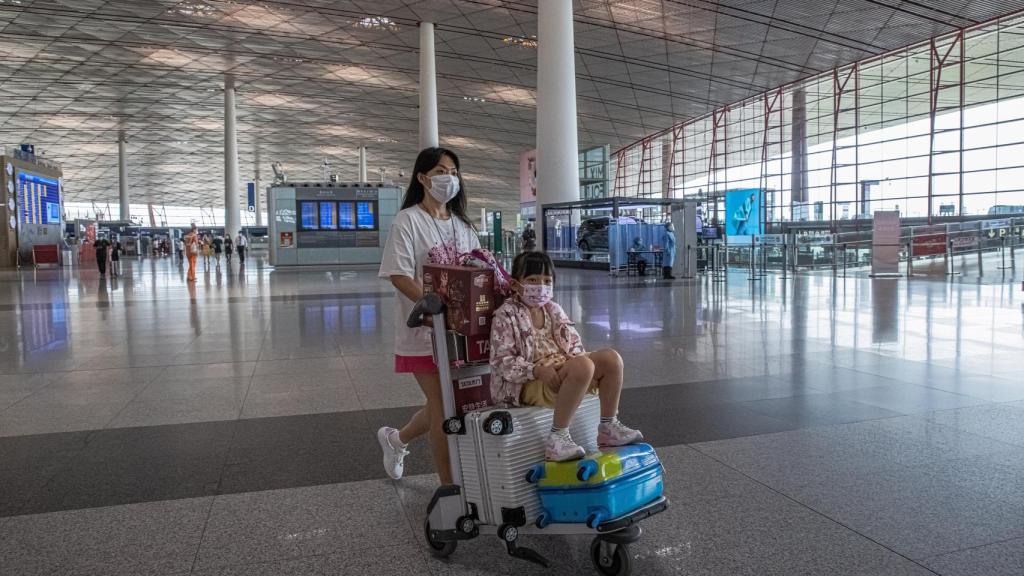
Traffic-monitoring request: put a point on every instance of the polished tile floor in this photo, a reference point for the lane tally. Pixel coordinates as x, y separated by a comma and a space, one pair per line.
814, 425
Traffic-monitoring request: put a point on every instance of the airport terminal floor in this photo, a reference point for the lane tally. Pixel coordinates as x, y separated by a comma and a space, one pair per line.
814, 425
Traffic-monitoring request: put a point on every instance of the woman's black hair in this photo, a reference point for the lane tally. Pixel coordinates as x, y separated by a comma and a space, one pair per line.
530, 263
427, 159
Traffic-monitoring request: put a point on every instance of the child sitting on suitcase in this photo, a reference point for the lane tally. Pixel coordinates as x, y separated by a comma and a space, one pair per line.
537, 359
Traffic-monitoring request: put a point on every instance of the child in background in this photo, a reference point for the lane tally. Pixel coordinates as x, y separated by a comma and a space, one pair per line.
537, 359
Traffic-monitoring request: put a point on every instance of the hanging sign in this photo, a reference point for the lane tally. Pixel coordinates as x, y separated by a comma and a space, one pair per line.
250, 188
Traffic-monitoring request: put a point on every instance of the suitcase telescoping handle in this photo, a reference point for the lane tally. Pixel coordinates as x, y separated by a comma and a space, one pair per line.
430, 304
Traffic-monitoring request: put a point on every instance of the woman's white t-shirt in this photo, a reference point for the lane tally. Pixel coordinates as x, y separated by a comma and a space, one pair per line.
413, 233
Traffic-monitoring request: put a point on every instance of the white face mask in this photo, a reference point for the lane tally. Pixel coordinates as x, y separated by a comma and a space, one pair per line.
444, 187
537, 295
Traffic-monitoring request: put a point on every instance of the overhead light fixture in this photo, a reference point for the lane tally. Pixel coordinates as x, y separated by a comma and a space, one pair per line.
473, 99
288, 59
520, 41
377, 23
192, 8
386, 139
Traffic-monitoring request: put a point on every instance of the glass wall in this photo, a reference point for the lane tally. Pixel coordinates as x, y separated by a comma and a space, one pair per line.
936, 129
163, 215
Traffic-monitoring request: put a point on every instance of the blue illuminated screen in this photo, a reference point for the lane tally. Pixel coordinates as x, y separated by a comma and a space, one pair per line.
38, 199
346, 216
366, 215
307, 215
328, 219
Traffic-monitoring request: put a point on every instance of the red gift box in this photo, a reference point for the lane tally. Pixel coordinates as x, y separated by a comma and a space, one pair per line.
468, 294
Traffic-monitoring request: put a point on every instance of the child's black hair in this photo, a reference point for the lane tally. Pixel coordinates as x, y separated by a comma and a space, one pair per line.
530, 263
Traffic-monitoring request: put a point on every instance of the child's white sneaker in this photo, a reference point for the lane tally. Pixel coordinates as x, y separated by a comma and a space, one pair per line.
393, 456
616, 433
561, 448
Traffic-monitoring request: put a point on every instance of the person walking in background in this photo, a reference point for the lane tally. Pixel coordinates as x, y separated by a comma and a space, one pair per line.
179, 245
529, 238
207, 250
115, 257
242, 243
101, 245
192, 248
229, 246
218, 248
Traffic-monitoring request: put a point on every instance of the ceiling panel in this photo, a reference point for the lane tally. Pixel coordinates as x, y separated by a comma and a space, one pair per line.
318, 78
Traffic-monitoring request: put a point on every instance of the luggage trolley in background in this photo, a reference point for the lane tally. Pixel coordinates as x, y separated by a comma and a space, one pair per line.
497, 463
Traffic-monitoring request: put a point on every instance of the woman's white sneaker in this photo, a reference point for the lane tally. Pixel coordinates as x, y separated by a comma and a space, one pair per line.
393, 455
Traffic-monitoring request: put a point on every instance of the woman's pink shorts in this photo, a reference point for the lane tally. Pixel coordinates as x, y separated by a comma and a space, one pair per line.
415, 364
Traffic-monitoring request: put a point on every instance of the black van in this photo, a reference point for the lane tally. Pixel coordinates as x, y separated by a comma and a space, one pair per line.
592, 235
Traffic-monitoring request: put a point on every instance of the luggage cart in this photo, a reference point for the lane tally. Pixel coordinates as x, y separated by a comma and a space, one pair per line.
450, 518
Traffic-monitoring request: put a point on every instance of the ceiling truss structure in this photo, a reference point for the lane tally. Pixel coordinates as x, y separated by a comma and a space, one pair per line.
318, 78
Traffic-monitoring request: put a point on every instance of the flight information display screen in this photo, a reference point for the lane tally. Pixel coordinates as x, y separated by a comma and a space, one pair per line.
366, 215
308, 216
328, 216
38, 199
346, 216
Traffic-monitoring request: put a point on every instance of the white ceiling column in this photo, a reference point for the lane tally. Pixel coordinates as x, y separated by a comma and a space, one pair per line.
428, 87
232, 218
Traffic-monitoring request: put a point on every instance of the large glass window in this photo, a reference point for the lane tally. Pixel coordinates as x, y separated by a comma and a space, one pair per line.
938, 124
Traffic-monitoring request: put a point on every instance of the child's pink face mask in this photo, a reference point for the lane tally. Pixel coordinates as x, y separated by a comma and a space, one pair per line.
536, 295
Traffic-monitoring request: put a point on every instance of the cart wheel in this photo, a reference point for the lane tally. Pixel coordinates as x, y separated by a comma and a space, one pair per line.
437, 548
609, 558
508, 533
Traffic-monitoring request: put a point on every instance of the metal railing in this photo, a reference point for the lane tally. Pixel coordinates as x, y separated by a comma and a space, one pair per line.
850, 251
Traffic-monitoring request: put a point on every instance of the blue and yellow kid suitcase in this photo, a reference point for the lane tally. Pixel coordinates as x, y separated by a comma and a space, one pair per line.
601, 487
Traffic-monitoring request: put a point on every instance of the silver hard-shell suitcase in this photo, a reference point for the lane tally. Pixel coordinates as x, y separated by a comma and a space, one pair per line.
494, 467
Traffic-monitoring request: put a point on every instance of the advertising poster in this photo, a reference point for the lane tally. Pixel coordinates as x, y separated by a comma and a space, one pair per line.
743, 212
287, 240
528, 176
929, 241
